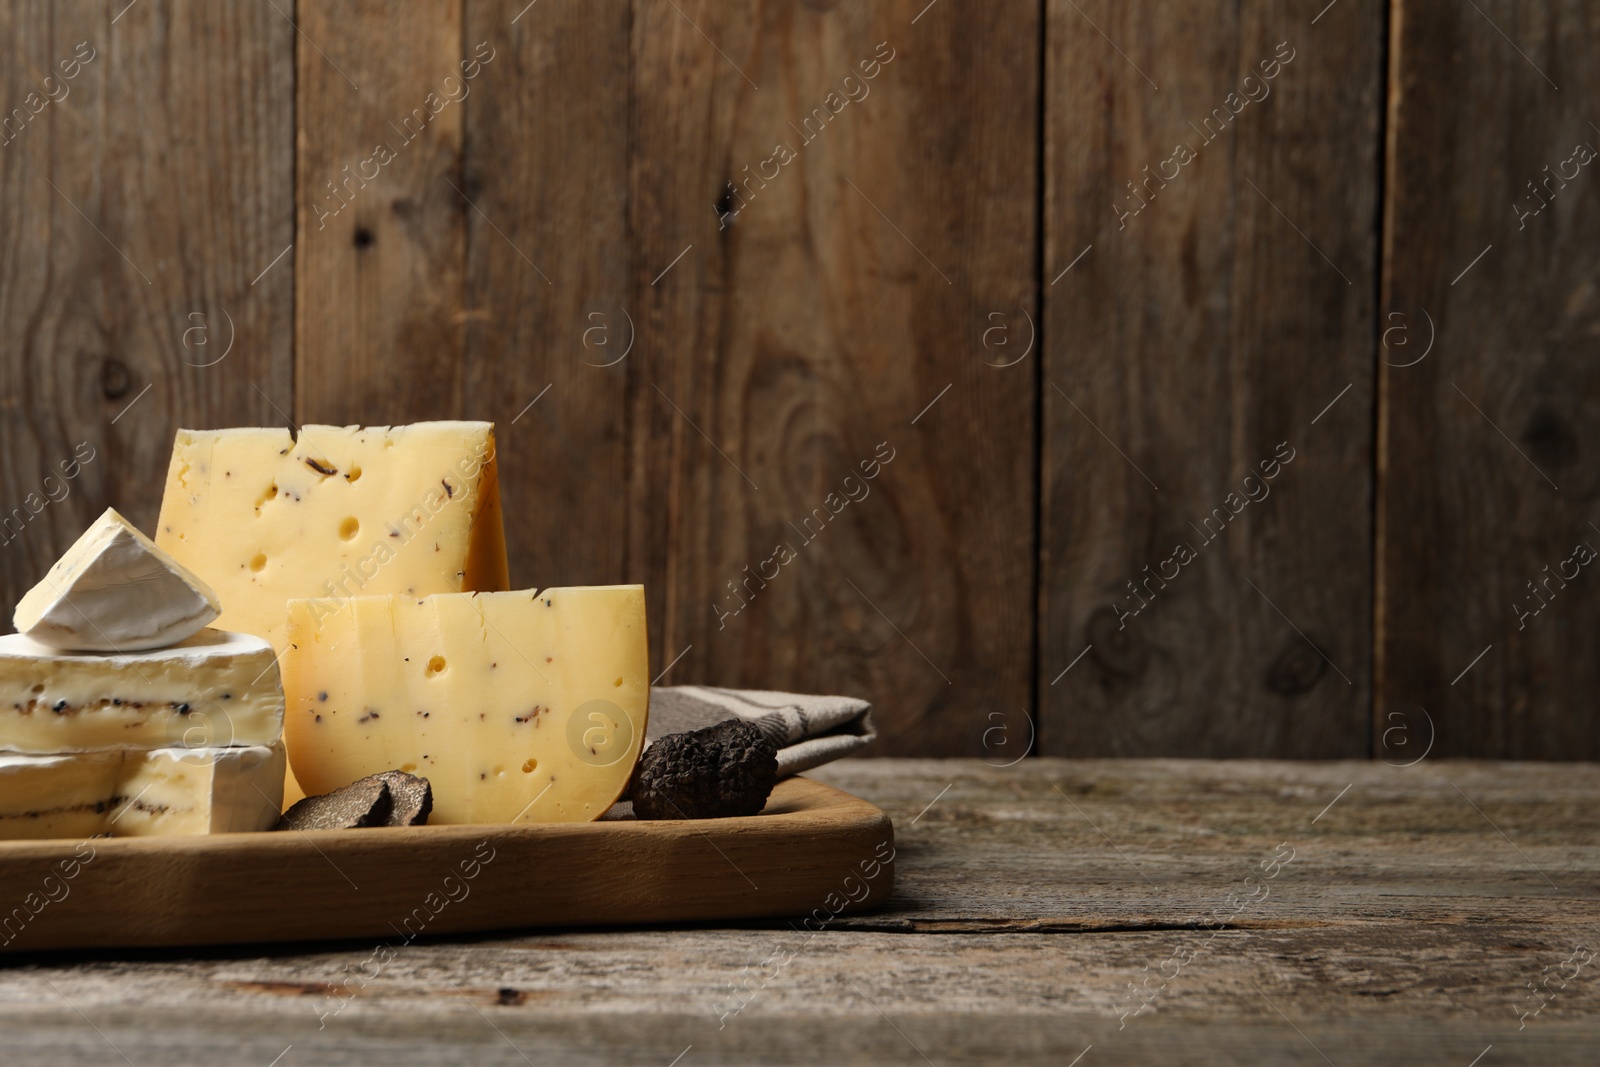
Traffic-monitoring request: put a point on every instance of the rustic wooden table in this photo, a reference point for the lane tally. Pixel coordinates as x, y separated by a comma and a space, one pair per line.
1054, 911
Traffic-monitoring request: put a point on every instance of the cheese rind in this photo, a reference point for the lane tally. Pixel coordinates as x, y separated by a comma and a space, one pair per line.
213, 689
173, 791
115, 591
518, 706
334, 512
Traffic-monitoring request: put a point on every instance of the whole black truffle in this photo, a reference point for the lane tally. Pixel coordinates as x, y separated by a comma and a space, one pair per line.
722, 770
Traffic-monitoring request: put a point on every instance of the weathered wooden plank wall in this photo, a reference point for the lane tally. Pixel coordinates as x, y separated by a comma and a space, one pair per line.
146, 188
809, 524
1487, 478
1207, 535
463, 177
548, 259
380, 243
701, 262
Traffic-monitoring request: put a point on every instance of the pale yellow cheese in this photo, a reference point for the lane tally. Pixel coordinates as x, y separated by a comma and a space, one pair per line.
215, 688
522, 706
333, 513
172, 791
336, 512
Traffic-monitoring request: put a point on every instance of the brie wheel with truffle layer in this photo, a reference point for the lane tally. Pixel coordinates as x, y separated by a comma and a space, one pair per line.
525, 706
213, 689
115, 591
161, 792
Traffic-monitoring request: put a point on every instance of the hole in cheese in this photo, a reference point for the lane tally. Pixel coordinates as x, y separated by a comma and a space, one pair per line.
270, 493
436, 665
349, 528
530, 766
353, 473
258, 562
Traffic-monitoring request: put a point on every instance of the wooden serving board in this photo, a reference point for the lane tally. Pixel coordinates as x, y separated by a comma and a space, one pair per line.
813, 850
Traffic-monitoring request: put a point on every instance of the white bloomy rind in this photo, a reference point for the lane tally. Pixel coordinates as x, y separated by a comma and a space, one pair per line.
115, 591
215, 688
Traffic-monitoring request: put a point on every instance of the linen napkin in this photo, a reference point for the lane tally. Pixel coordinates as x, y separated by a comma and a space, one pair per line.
809, 730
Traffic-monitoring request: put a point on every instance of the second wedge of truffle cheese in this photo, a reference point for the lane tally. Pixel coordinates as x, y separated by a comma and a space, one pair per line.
518, 706
215, 688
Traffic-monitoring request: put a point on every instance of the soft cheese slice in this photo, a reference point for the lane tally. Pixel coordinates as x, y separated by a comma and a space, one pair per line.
518, 707
115, 591
333, 512
57, 796
215, 688
201, 791
138, 794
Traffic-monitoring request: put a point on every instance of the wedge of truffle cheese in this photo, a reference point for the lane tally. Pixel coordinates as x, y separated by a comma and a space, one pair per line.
173, 791
138, 794
57, 796
333, 512
115, 591
215, 688
517, 707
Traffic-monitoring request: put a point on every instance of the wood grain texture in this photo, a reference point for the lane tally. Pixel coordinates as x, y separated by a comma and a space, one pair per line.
1156, 844
546, 168
141, 199
1427, 963
893, 263
381, 234
843, 242
459, 281
1222, 302
1487, 478
644, 998
813, 850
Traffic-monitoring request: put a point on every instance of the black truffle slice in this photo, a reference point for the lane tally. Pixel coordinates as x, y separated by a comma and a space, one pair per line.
364, 803
412, 797
723, 770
